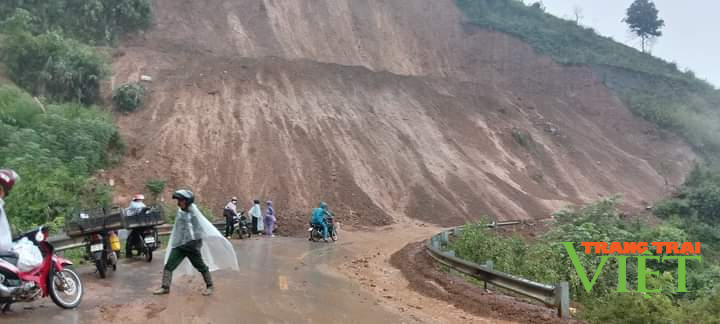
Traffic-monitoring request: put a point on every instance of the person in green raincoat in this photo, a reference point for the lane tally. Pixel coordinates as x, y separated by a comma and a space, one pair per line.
196, 240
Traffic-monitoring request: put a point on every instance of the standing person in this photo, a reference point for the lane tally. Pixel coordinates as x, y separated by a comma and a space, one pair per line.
7, 181
256, 214
230, 212
195, 239
270, 219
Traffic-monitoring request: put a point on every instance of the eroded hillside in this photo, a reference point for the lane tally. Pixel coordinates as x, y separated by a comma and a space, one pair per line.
382, 108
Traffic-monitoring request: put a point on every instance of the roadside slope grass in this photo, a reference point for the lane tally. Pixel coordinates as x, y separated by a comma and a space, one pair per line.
651, 87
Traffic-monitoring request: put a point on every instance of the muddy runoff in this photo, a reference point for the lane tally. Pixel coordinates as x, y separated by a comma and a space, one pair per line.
281, 280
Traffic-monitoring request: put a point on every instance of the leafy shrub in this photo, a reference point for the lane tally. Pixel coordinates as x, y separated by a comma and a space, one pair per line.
547, 261
129, 97
672, 207
706, 201
156, 187
54, 153
624, 308
523, 138
92, 21
50, 64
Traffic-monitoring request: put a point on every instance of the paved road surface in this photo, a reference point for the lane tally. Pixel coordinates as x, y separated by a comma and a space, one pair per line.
281, 280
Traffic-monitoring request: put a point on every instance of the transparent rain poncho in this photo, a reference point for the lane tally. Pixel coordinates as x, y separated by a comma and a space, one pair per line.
217, 251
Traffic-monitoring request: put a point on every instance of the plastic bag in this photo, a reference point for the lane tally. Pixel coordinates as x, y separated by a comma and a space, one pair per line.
29, 255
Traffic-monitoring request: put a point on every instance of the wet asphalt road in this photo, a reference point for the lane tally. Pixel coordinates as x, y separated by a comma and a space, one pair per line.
281, 280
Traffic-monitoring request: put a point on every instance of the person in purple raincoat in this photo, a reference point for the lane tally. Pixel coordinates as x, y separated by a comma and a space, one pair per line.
270, 219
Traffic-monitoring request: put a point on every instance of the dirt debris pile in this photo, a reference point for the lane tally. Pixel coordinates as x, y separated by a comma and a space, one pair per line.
381, 108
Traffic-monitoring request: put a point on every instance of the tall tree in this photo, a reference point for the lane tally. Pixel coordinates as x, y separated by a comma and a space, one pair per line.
642, 18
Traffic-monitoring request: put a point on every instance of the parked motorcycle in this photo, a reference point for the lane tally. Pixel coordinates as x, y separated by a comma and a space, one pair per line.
97, 228
316, 231
143, 238
100, 251
241, 227
54, 277
142, 242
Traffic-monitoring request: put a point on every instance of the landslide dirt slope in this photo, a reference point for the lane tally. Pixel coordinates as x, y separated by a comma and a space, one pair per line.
381, 108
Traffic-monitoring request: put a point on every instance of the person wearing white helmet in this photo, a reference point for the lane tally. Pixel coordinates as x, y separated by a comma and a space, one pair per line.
137, 202
8, 178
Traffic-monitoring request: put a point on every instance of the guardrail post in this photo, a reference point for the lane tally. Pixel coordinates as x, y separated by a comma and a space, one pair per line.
457, 231
488, 265
562, 295
435, 241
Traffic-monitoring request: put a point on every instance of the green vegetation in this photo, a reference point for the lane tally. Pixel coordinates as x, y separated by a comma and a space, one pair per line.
649, 86
54, 151
129, 97
156, 187
692, 216
90, 21
56, 140
642, 19
523, 138
51, 65
47, 45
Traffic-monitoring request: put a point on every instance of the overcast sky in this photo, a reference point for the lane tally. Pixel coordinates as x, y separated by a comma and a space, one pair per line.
691, 37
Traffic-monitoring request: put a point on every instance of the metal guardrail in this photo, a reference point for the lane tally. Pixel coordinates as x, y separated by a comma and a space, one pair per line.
553, 295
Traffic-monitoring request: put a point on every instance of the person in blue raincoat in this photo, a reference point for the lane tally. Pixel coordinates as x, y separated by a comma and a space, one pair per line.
318, 218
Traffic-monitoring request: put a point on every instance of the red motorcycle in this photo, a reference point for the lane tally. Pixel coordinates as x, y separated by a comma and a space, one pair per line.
52, 277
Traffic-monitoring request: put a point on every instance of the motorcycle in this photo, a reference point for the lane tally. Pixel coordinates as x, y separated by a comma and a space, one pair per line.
241, 227
316, 231
143, 237
54, 277
143, 240
99, 250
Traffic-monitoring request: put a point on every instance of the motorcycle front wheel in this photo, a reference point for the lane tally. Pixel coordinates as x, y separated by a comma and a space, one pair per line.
333, 234
101, 265
66, 289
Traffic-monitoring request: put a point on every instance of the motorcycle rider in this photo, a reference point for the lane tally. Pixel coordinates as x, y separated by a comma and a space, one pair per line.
136, 206
137, 202
195, 238
318, 218
230, 212
8, 178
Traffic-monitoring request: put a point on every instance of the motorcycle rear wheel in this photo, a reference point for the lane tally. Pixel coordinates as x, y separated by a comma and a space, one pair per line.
148, 254
62, 283
315, 235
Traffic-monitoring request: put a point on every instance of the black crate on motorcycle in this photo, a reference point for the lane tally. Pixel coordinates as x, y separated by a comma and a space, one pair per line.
82, 222
146, 217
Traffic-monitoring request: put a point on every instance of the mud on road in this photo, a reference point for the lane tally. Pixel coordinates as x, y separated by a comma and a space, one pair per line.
281, 280
425, 277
